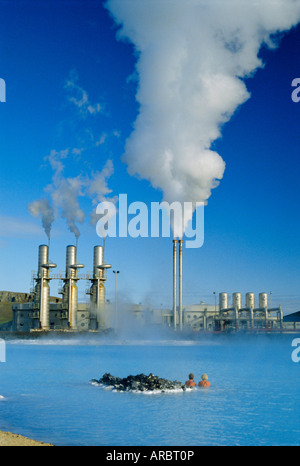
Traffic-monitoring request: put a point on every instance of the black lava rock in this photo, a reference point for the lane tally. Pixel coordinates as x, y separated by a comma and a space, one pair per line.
140, 383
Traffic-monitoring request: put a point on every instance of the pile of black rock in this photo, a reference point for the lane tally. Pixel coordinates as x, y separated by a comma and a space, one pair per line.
139, 382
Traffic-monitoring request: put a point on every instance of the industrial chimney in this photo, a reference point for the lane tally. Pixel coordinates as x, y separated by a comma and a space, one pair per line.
175, 282
180, 284
42, 289
97, 290
70, 291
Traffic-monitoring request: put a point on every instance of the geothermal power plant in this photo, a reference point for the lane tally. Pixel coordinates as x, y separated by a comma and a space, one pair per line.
45, 312
65, 313
223, 316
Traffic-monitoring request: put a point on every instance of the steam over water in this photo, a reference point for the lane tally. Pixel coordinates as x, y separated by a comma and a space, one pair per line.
254, 397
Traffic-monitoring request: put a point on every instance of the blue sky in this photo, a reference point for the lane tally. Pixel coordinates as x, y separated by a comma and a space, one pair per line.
252, 217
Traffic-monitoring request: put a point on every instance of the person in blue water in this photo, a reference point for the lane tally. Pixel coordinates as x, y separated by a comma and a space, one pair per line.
204, 383
191, 382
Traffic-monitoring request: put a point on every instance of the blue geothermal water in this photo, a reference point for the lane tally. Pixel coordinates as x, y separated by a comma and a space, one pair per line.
254, 398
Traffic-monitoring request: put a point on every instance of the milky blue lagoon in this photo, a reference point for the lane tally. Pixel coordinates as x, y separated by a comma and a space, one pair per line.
254, 398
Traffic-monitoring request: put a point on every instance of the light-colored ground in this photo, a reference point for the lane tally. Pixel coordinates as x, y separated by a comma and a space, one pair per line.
13, 440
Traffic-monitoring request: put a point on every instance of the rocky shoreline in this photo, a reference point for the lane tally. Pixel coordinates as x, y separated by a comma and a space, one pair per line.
139, 383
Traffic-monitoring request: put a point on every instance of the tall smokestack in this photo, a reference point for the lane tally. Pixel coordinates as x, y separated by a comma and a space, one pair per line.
42, 287
174, 282
180, 284
97, 290
70, 288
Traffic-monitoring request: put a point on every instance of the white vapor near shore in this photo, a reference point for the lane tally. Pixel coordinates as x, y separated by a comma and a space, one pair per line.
192, 56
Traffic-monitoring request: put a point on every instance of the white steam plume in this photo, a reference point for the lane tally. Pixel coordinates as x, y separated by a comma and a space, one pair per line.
98, 190
42, 207
65, 192
65, 196
192, 58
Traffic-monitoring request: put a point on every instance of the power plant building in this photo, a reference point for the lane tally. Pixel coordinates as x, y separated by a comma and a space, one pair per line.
67, 314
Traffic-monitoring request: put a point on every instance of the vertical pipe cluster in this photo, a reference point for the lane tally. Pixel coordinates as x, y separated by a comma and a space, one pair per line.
70, 289
250, 310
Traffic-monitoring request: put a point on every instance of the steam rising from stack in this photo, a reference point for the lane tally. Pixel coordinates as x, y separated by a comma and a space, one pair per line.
65, 193
43, 208
192, 58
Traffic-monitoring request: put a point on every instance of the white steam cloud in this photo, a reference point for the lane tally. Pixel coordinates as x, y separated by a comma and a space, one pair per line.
65, 193
192, 58
42, 208
98, 190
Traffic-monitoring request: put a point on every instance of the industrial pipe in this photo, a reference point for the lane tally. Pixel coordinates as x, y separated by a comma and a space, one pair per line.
174, 282
42, 288
70, 287
180, 284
